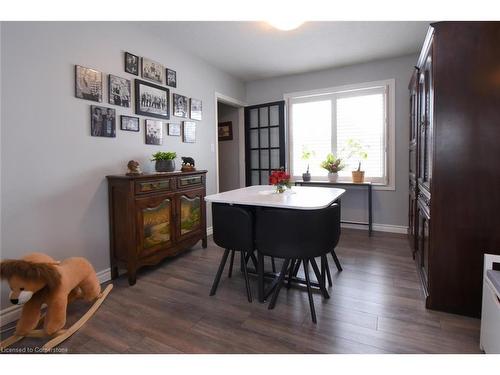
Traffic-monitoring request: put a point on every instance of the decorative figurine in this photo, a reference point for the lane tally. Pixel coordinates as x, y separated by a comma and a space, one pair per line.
187, 164
134, 169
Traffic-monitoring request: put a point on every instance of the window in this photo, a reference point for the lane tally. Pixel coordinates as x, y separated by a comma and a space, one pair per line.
331, 120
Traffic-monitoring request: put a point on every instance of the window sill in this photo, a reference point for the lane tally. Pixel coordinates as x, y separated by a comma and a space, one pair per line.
375, 185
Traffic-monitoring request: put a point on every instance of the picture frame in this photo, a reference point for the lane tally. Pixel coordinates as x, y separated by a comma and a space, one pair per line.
152, 70
152, 100
129, 123
225, 131
180, 105
174, 129
131, 63
88, 84
102, 121
189, 132
171, 76
195, 109
119, 92
154, 132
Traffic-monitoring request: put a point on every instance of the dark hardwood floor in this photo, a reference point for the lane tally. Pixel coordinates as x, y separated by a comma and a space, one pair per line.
376, 306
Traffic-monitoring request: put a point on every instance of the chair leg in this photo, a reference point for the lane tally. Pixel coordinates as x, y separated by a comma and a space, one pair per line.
247, 281
254, 259
320, 278
281, 276
290, 273
297, 268
336, 260
324, 261
273, 264
219, 272
260, 271
309, 292
230, 273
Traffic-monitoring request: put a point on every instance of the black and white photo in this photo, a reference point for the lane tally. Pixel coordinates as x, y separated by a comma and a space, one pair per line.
180, 105
129, 123
152, 70
152, 100
189, 132
88, 83
119, 91
171, 78
174, 129
154, 132
102, 121
131, 63
195, 109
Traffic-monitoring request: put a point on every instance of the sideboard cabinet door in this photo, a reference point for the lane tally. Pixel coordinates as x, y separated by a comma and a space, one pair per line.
154, 224
190, 206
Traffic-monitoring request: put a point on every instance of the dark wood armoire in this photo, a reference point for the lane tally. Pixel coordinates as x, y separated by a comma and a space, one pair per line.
454, 150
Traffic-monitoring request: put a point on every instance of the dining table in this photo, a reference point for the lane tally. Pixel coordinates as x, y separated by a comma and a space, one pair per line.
295, 198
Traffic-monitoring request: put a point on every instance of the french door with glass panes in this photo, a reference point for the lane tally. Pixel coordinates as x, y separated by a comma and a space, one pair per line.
264, 141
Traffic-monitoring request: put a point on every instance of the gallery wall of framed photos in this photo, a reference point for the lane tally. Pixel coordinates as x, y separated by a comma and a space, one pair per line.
151, 99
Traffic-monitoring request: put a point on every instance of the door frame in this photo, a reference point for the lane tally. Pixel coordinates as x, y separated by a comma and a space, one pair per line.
240, 105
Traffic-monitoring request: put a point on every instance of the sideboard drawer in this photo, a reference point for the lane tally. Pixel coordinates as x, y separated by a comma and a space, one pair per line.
144, 187
188, 181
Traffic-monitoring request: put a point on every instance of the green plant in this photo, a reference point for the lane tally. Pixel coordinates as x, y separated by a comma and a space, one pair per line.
355, 149
160, 155
306, 155
332, 164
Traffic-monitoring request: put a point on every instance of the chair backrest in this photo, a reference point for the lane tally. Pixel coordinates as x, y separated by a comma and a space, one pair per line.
285, 233
233, 227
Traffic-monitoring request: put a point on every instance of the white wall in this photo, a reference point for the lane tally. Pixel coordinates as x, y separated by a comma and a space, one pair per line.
229, 168
54, 191
389, 207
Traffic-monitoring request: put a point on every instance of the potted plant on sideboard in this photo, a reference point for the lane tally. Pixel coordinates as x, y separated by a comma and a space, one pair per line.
164, 161
333, 165
357, 150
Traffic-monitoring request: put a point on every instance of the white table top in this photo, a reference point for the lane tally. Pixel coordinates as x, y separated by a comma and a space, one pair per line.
299, 197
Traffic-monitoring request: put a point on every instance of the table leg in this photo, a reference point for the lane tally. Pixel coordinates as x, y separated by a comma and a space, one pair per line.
260, 265
370, 214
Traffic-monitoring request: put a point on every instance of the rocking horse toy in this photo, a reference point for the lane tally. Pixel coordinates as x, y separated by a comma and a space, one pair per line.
38, 279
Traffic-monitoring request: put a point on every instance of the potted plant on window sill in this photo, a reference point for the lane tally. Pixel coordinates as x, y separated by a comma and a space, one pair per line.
333, 165
357, 150
164, 161
306, 155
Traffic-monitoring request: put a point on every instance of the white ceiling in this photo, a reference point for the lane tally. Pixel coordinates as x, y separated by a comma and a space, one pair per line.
255, 50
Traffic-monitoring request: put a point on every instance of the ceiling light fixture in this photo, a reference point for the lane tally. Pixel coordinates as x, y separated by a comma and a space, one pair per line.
285, 24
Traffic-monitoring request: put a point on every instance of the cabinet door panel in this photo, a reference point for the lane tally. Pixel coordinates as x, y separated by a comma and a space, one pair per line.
190, 206
154, 224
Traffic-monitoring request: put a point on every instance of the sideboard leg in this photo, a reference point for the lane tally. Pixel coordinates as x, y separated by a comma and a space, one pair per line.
204, 242
114, 272
132, 276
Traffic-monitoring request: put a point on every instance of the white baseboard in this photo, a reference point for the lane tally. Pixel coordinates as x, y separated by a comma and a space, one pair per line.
388, 228
210, 231
13, 313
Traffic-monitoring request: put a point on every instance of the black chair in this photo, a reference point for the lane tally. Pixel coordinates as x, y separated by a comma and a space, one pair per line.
233, 230
297, 235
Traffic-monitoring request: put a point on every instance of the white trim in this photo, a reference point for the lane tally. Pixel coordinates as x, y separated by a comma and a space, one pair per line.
241, 135
210, 231
13, 313
388, 228
390, 126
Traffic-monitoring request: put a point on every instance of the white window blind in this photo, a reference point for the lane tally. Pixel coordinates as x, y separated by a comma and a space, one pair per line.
324, 122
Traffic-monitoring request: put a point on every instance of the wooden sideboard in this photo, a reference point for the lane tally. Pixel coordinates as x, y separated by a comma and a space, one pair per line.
454, 178
154, 216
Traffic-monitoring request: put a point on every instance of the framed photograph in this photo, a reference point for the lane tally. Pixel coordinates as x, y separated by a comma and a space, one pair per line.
131, 63
195, 109
180, 105
119, 91
152, 100
88, 83
225, 131
171, 78
189, 132
129, 123
152, 70
154, 132
174, 129
102, 121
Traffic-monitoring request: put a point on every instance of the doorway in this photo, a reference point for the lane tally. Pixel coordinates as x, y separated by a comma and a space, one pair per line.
230, 144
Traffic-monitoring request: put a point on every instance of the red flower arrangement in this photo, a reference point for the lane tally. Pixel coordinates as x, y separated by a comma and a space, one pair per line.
280, 179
